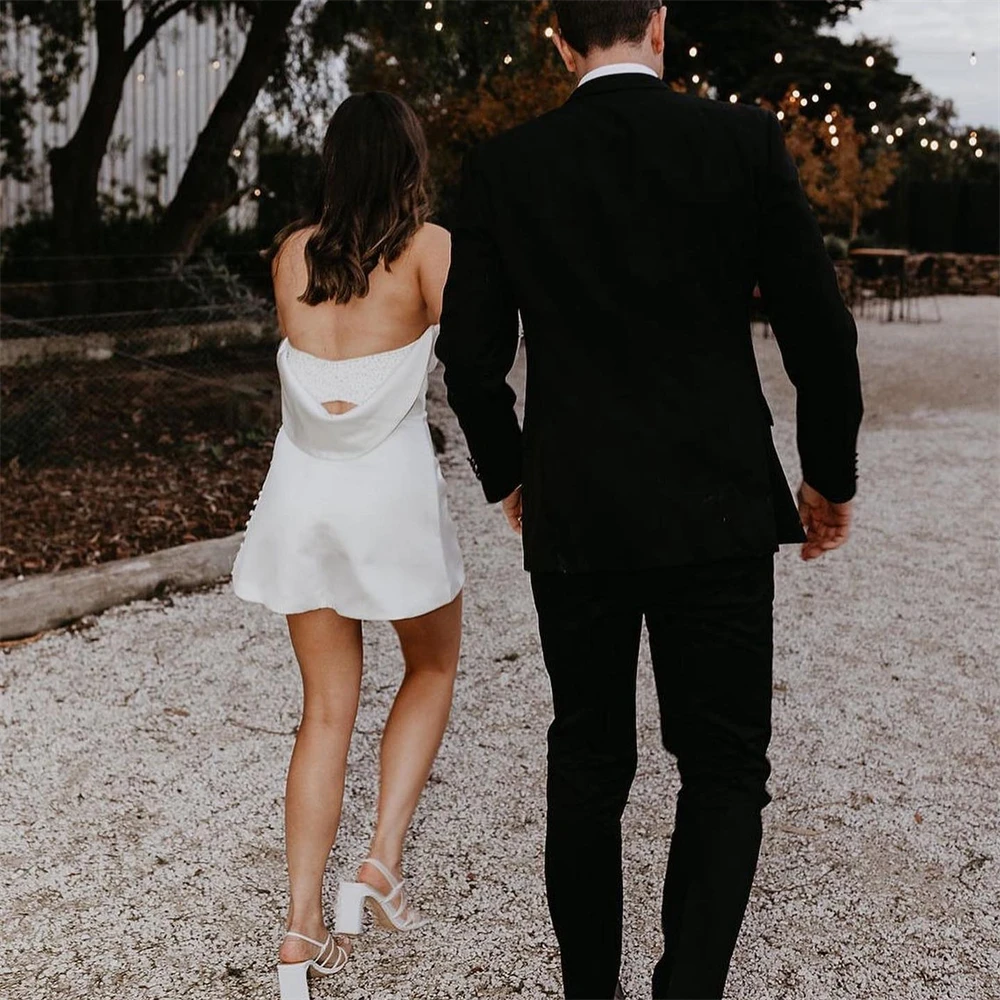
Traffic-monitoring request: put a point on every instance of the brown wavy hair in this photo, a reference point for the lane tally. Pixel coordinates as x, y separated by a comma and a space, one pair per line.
373, 197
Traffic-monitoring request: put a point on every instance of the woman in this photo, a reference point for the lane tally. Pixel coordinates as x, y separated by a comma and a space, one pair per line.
352, 523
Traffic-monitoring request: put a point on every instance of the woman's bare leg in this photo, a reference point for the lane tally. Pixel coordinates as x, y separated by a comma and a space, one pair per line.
329, 650
414, 728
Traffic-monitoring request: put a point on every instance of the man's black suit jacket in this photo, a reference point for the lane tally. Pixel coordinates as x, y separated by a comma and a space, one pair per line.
629, 228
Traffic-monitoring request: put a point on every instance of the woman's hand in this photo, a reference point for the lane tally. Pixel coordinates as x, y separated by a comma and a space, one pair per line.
827, 524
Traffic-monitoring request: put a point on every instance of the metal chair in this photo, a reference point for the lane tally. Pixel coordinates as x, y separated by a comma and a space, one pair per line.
922, 284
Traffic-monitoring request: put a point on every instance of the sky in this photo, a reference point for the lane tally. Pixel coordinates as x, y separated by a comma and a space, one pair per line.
933, 40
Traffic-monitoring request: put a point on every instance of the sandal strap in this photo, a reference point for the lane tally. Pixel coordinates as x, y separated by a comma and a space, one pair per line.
302, 937
394, 883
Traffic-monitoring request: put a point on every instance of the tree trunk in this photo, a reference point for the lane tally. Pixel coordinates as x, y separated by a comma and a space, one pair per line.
74, 168
209, 186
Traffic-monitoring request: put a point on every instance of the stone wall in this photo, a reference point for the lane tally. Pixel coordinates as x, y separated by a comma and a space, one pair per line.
961, 273
949, 274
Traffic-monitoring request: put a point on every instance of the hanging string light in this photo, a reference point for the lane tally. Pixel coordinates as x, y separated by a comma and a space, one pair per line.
549, 32
872, 105
828, 85
890, 138
508, 59
833, 130
870, 61
874, 129
733, 98
141, 77
921, 120
778, 57
834, 141
438, 25
828, 119
780, 116
428, 5
979, 154
796, 94
972, 59
695, 78
953, 144
923, 143
899, 131
934, 144
693, 51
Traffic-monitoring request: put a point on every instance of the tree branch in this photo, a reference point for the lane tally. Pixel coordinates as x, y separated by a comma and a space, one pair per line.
151, 25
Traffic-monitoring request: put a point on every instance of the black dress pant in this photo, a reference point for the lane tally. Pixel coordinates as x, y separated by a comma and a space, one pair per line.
710, 638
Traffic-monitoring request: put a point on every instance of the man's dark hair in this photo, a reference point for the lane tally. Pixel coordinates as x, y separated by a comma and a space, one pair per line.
599, 24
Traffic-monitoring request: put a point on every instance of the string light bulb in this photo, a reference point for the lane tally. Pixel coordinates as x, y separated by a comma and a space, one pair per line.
693, 51
141, 77
508, 59
256, 192
934, 144
796, 94
972, 59
979, 154
923, 143
833, 130
733, 98
438, 25
828, 119
953, 144
695, 78
804, 101
834, 141
428, 5
828, 85
815, 98
872, 105
216, 64
780, 116
921, 120
890, 138
874, 129
972, 140
899, 131
237, 153
549, 32
870, 61
180, 72
778, 57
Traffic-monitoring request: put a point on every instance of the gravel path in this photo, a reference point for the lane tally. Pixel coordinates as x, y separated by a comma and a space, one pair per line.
143, 756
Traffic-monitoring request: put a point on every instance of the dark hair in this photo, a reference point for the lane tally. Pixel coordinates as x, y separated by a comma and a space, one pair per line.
373, 197
599, 24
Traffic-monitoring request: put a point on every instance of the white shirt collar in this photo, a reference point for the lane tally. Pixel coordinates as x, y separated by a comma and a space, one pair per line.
612, 68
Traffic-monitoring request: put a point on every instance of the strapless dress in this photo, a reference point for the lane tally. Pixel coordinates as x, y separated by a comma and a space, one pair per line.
352, 514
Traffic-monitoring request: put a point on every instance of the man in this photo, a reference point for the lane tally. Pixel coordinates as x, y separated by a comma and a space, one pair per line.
629, 228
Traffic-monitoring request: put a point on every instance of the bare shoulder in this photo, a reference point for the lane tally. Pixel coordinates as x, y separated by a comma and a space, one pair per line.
289, 264
432, 243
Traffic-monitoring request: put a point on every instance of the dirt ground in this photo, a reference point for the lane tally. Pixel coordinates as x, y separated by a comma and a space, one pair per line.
143, 755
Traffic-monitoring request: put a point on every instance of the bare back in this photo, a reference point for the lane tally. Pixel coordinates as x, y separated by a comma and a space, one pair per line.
398, 308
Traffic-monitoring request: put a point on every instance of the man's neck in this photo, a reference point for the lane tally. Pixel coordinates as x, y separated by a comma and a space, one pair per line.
617, 54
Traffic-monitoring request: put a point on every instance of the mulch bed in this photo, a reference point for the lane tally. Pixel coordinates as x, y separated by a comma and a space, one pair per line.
107, 460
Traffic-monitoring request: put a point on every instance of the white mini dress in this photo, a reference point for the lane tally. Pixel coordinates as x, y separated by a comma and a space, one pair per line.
352, 514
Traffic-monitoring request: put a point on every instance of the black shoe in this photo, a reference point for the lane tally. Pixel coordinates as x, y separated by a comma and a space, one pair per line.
619, 992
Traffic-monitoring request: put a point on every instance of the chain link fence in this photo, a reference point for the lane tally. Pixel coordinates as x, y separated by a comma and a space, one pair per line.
126, 431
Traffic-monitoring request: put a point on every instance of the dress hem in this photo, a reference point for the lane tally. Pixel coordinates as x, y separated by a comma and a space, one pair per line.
353, 617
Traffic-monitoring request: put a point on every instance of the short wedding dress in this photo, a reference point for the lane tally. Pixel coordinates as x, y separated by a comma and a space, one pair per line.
352, 514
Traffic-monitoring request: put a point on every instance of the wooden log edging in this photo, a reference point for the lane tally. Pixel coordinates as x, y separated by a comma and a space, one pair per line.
51, 600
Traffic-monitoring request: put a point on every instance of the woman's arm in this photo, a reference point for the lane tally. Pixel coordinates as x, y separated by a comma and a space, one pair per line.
435, 259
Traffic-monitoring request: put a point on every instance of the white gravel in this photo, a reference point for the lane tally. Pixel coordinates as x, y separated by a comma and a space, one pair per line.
143, 756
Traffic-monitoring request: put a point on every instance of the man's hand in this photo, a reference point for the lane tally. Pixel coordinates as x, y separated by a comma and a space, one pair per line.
827, 525
512, 509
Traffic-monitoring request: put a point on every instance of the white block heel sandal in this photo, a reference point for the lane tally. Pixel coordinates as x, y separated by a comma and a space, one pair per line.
293, 977
392, 911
